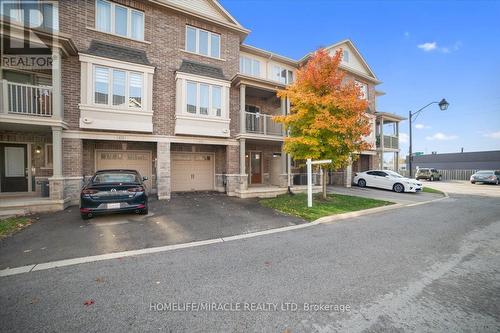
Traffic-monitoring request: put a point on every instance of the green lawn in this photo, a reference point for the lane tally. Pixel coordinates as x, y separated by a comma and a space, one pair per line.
335, 204
12, 224
431, 190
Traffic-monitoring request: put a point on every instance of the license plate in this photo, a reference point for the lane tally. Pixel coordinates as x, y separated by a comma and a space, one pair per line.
113, 205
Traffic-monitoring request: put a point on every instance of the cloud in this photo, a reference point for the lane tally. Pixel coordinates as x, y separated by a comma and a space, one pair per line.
421, 126
433, 46
441, 137
493, 135
427, 47
403, 138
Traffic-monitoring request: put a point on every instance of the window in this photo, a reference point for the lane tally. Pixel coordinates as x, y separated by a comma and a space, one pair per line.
118, 87
120, 20
42, 14
281, 74
202, 42
345, 55
203, 99
217, 100
249, 66
124, 86
364, 89
252, 108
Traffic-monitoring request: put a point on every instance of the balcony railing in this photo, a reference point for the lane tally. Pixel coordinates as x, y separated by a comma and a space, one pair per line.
26, 99
390, 141
263, 124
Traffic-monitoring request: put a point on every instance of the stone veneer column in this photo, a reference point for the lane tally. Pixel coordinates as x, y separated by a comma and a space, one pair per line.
234, 179
163, 170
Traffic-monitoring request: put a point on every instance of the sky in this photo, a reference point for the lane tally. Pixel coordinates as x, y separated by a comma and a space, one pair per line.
422, 51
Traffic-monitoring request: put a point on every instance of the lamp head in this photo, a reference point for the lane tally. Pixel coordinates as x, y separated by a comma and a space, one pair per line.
443, 105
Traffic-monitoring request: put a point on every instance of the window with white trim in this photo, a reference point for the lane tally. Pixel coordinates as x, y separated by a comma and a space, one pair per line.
202, 42
345, 55
203, 99
364, 89
118, 88
281, 74
43, 14
120, 20
249, 66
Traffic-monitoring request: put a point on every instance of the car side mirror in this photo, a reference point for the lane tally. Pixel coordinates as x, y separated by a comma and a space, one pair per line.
145, 178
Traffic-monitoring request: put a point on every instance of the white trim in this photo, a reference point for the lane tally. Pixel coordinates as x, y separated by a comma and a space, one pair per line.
31, 120
107, 108
108, 62
201, 55
202, 79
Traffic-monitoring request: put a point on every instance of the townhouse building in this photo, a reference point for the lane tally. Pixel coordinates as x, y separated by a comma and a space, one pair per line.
166, 87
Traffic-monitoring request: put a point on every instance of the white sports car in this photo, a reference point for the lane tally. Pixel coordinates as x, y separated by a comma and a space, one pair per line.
388, 180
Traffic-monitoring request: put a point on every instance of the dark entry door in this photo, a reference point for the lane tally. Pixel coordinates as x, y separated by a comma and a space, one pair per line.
13, 167
256, 167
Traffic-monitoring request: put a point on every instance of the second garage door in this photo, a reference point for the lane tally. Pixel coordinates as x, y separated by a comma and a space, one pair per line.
192, 172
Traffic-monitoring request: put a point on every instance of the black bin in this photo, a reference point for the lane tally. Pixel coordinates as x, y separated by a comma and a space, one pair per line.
44, 188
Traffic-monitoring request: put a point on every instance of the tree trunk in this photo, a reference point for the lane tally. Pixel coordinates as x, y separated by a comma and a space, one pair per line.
324, 184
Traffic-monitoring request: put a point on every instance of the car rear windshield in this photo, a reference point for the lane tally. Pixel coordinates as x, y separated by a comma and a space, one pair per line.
115, 177
485, 172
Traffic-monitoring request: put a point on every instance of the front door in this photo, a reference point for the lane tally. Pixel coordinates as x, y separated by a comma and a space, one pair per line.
256, 167
14, 168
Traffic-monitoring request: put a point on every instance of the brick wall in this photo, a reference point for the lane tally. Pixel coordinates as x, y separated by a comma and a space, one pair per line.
72, 155
271, 105
165, 29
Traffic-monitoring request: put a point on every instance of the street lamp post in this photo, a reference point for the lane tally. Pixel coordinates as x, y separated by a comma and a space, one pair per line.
443, 105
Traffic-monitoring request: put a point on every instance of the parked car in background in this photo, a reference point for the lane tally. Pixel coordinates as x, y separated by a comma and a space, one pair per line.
111, 191
428, 174
387, 179
486, 176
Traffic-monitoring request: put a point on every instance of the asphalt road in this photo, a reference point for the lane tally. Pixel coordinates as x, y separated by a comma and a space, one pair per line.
433, 267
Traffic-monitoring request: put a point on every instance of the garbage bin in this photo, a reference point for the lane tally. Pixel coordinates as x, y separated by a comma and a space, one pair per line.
44, 188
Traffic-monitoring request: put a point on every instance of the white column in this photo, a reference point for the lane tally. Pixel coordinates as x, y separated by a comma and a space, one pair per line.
242, 157
381, 143
242, 108
348, 171
309, 183
57, 152
57, 107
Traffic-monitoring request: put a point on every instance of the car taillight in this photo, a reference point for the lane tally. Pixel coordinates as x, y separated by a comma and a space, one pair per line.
136, 189
89, 191
492, 177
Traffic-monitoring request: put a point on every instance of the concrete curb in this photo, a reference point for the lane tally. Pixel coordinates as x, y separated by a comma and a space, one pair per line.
132, 253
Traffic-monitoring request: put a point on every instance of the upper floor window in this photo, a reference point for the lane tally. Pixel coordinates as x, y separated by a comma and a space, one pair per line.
345, 55
119, 20
32, 14
364, 89
249, 66
203, 99
118, 88
202, 42
281, 74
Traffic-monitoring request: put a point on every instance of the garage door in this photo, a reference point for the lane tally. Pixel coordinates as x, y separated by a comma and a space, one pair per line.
135, 160
192, 172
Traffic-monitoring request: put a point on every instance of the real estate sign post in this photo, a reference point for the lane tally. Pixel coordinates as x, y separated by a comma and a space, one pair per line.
309, 178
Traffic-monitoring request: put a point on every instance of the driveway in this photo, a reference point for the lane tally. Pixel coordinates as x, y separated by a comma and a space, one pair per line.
387, 195
185, 218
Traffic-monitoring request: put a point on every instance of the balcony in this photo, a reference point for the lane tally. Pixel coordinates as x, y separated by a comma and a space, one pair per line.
390, 142
26, 99
262, 124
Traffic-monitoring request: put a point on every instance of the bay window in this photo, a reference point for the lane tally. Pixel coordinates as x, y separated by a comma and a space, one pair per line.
202, 42
364, 89
203, 99
114, 87
120, 20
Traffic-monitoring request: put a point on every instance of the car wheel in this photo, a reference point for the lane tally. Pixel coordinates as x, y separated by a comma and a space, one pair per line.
144, 211
472, 182
496, 182
86, 216
361, 183
432, 178
399, 188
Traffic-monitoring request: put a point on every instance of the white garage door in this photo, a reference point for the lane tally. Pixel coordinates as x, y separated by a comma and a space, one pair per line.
135, 160
192, 172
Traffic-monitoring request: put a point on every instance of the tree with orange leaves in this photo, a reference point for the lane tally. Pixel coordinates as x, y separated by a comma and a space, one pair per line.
327, 119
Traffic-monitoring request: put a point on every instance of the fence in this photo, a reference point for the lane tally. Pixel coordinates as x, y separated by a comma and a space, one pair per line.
447, 174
